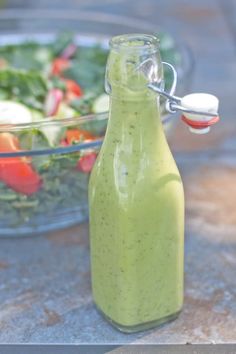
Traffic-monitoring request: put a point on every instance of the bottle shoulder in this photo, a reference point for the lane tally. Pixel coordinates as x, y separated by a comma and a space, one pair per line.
120, 171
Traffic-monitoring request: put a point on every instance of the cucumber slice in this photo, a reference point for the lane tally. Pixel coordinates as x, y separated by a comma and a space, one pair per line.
14, 113
66, 111
101, 104
53, 134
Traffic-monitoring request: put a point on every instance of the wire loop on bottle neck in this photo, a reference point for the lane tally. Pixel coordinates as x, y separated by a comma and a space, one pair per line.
173, 103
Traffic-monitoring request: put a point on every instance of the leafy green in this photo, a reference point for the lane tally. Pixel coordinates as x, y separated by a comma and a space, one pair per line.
27, 87
59, 83
28, 55
83, 105
88, 69
63, 40
32, 139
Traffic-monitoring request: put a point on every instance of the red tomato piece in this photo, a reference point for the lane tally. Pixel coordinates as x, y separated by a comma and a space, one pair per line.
75, 135
21, 177
86, 162
59, 65
17, 172
3, 63
73, 90
9, 143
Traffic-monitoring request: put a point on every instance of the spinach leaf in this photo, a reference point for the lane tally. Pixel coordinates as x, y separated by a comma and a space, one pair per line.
28, 55
88, 69
27, 87
62, 41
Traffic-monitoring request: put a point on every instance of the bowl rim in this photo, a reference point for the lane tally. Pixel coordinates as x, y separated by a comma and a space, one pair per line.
95, 144
54, 121
63, 14
50, 122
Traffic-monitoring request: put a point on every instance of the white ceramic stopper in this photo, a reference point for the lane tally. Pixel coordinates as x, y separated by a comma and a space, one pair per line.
200, 102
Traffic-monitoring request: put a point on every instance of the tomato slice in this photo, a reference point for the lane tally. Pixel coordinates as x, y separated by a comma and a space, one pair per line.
17, 172
21, 177
3, 63
73, 90
86, 162
76, 135
9, 143
59, 65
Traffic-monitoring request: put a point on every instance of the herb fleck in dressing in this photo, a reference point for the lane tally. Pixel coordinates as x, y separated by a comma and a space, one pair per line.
136, 202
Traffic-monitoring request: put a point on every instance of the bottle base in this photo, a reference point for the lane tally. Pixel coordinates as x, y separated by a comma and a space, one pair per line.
139, 327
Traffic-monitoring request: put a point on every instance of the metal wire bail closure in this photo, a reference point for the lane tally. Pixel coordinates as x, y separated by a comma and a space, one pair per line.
199, 110
170, 97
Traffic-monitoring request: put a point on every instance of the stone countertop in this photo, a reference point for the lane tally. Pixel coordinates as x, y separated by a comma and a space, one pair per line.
45, 293
45, 281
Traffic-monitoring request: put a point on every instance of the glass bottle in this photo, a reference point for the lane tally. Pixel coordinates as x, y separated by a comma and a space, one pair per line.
136, 198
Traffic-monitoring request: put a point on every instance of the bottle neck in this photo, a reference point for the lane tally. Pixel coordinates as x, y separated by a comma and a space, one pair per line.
134, 122
133, 63
134, 108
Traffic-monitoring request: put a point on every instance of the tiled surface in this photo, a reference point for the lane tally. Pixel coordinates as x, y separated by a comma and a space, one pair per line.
45, 291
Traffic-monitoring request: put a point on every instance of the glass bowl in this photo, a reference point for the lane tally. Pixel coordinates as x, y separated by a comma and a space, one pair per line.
44, 190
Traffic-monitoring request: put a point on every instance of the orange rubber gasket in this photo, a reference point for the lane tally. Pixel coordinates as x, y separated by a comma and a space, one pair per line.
200, 124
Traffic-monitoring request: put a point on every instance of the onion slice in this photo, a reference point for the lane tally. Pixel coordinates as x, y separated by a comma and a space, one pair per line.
69, 51
53, 100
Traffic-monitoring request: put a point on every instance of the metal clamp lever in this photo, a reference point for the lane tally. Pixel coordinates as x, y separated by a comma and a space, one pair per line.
200, 110
173, 103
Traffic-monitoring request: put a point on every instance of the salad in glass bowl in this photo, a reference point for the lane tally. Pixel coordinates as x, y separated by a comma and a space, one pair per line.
53, 116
